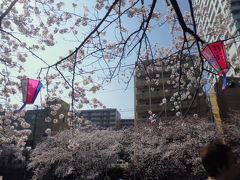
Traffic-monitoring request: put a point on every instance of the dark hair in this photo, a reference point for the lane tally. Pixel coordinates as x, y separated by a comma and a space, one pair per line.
215, 157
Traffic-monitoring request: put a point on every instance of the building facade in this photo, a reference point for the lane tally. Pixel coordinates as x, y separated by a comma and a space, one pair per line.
37, 120
153, 95
104, 118
126, 123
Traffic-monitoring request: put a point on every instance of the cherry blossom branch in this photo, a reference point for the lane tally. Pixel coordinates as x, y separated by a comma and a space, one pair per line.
101, 47
7, 11
33, 53
147, 21
182, 22
73, 80
89, 35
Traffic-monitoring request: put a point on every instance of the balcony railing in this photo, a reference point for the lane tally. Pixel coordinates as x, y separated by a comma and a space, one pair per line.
144, 83
168, 106
154, 94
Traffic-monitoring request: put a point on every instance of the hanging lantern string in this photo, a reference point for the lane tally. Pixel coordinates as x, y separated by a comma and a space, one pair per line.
230, 38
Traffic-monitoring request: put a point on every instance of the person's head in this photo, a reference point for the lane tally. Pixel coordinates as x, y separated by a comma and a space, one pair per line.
217, 157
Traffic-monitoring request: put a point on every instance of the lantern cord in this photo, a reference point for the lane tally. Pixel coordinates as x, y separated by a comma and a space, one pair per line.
210, 71
224, 85
230, 38
40, 92
41, 99
21, 108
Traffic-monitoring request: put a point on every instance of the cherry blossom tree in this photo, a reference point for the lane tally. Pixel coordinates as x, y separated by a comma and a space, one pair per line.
169, 150
173, 150
14, 133
78, 153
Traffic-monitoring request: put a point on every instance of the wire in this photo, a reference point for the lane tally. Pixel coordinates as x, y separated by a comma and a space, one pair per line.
107, 91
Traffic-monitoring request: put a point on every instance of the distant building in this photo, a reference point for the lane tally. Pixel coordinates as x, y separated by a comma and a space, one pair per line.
36, 118
105, 118
125, 123
151, 88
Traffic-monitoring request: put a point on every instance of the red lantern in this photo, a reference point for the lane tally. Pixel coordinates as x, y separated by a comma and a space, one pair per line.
215, 54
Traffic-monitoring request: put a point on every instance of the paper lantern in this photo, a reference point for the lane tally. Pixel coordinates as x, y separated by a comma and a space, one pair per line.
215, 54
30, 90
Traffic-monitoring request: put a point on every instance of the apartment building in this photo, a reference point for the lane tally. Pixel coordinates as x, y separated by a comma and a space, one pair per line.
126, 123
152, 89
37, 120
105, 118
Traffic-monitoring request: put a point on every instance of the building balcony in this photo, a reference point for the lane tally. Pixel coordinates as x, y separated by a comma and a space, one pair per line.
143, 83
144, 74
236, 16
154, 94
154, 107
235, 7
141, 108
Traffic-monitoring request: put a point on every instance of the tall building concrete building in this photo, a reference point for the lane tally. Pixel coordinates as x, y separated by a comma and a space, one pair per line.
227, 13
152, 87
105, 118
38, 125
